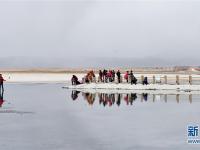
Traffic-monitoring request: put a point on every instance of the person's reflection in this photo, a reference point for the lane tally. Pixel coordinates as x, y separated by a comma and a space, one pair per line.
145, 96
133, 97
74, 95
113, 98
1, 99
108, 100
119, 96
104, 100
126, 98
100, 95
90, 98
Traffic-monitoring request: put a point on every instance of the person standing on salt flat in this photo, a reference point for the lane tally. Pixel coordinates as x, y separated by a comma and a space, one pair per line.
1, 84
126, 76
100, 76
118, 76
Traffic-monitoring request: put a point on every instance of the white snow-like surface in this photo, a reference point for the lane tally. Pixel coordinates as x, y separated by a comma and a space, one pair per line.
66, 77
126, 86
38, 77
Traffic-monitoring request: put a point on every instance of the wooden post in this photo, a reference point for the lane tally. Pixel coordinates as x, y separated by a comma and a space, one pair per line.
190, 98
154, 79
190, 80
165, 77
142, 78
177, 80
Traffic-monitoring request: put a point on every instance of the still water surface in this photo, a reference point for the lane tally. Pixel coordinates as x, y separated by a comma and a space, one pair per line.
47, 117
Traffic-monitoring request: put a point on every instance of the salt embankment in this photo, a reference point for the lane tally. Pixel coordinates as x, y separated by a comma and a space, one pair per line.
139, 87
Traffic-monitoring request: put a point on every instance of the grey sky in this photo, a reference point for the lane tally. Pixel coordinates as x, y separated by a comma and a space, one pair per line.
138, 29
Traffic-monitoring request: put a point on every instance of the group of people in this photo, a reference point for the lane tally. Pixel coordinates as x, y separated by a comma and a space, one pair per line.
106, 99
109, 76
130, 77
106, 76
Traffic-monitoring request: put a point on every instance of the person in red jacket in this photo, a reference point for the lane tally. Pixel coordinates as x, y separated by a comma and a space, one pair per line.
1, 83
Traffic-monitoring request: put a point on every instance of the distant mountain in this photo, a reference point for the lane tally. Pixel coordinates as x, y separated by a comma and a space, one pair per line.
109, 62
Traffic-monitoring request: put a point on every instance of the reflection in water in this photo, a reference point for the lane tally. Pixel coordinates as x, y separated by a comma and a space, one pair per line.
74, 95
110, 99
7, 110
1, 98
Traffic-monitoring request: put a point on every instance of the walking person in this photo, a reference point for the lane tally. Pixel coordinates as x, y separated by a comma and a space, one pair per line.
118, 76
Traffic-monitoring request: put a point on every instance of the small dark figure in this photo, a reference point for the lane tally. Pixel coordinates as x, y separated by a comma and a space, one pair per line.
100, 75
105, 75
133, 78
118, 76
1, 84
113, 75
74, 80
145, 81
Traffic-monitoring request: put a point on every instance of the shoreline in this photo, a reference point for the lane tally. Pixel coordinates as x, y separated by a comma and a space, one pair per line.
66, 77
125, 86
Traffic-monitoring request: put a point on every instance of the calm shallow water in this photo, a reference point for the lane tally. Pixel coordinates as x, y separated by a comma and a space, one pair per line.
44, 116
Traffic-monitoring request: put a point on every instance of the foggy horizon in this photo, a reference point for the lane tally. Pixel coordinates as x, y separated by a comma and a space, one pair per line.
89, 62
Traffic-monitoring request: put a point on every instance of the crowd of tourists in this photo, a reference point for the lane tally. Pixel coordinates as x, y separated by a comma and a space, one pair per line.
106, 76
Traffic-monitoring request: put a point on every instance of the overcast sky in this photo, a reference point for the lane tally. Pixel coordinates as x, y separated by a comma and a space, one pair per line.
99, 28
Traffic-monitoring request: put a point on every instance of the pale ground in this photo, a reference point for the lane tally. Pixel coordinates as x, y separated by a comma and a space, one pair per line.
65, 77
126, 86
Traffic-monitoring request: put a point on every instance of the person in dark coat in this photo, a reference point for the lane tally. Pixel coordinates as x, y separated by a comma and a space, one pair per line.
100, 75
145, 81
113, 75
105, 75
118, 76
133, 78
74, 80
